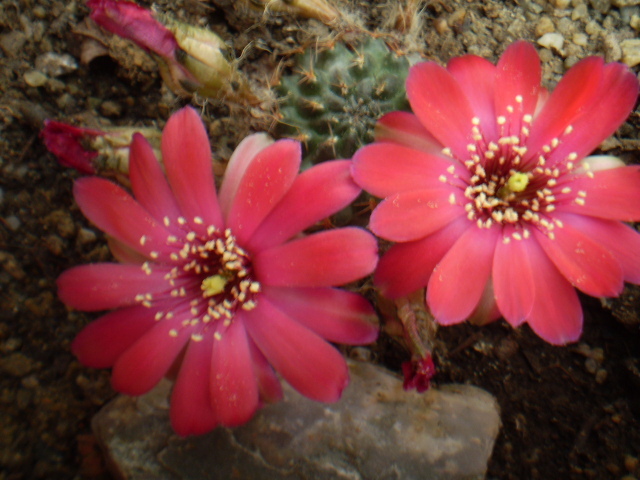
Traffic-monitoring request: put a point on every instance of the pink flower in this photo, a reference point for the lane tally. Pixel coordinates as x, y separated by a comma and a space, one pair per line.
222, 288
490, 198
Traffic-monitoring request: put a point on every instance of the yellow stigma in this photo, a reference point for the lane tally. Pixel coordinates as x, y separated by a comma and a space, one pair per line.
517, 182
213, 285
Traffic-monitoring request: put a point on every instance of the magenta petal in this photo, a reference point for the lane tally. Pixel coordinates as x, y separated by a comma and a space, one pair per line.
610, 107
404, 128
383, 169
336, 315
408, 216
191, 407
116, 213
148, 182
187, 159
518, 74
311, 365
66, 143
135, 23
144, 364
557, 314
268, 382
574, 93
476, 77
322, 190
457, 282
441, 105
513, 282
621, 240
612, 194
101, 342
324, 259
103, 286
407, 267
234, 388
586, 264
266, 180
240, 159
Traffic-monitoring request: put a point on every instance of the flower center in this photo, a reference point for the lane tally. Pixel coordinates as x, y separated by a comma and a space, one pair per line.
210, 278
507, 184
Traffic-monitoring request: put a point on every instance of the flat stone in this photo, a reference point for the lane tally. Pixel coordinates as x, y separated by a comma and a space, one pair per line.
377, 431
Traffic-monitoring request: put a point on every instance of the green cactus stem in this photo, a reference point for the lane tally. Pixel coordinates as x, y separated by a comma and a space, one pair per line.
335, 96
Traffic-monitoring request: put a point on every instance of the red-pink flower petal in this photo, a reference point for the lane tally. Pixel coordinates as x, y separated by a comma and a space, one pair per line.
457, 282
408, 216
310, 365
518, 74
570, 99
621, 240
323, 190
407, 267
266, 180
186, 154
145, 362
336, 315
586, 264
384, 169
513, 281
324, 259
191, 407
65, 142
148, 182
117, 213
612, 104
557, 314
612, 194
268, 382
240, 159
234, 387
404, 128
135, 23
101, 342
441, 105
476, 77
103, 286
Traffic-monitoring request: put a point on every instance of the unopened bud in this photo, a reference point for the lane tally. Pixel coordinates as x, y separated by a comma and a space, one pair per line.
89, 150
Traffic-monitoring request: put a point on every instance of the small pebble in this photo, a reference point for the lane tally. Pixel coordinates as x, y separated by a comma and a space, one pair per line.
110, 109
561, 4
580, 39
581, 11
55, 64
601, 376
12, 222
630, 51
631, 463
86, 236
17, 365
612, 50
35, 78
552, 41
545, 25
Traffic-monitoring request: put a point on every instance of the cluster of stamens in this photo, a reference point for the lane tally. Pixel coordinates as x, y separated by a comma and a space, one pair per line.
212, 270
508, 186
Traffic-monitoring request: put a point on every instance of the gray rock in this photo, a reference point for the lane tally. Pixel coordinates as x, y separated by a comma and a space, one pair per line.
377, 431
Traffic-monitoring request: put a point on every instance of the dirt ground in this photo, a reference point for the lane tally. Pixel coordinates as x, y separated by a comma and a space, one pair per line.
567, 412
